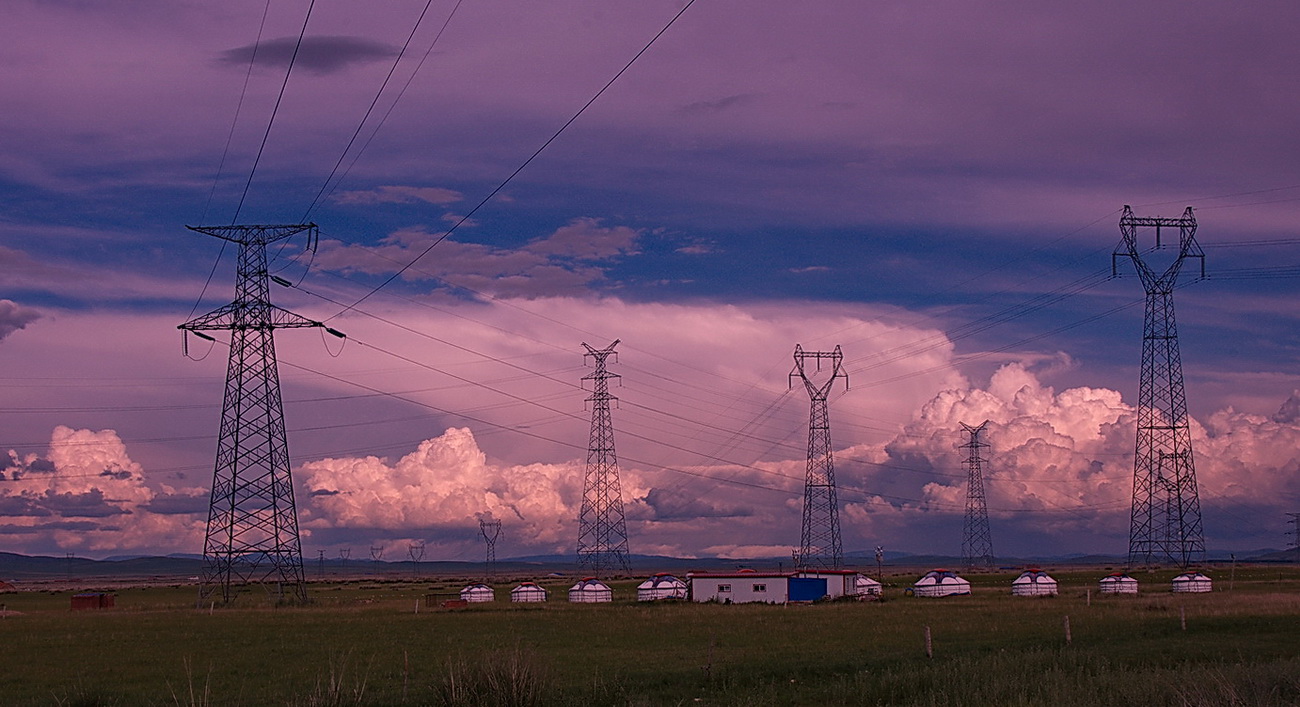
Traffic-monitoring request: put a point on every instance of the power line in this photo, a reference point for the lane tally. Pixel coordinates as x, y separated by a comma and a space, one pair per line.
482, 202
384, 118
292, 59
384, 84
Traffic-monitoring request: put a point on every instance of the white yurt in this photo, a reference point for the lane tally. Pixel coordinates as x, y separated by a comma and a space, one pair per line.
661, 586
527, 592
940, 583
1193, 582
590, 591
1033, 583
864, 585
1118, 583
476, 593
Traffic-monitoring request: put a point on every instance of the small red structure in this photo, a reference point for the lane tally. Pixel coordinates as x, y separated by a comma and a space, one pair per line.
92, 600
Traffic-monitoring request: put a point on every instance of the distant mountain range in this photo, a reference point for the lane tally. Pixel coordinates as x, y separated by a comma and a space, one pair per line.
182, 566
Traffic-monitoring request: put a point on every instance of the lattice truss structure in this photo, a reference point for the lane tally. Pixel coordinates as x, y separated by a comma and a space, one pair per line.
252, 531
602, 526
819, 542
1165, 523
491, 531
976, 538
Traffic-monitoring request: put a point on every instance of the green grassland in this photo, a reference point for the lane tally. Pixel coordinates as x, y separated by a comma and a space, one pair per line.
365, 643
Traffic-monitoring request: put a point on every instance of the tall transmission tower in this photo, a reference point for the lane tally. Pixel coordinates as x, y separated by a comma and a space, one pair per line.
976, 539
1165, 523
819, 543
491, 530
252, 532
602, 527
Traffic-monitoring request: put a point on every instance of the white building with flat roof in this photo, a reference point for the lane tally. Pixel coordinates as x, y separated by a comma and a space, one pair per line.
749, 586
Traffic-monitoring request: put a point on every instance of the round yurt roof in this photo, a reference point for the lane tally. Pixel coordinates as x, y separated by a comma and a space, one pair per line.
1192, 576
528, 587
863, 580
940, 577
662, 581
589, 584
1034, 576
476, 588
1118, 577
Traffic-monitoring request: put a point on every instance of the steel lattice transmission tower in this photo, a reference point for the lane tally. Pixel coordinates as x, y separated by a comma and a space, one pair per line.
976, 539
1165, 523
819, 543
491, 530
252, 533
602, 527
1295, 533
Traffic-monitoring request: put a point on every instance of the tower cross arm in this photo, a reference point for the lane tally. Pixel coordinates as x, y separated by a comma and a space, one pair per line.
254, 234
243, 316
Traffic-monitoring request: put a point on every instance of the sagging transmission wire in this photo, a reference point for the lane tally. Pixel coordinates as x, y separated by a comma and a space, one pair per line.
225, 152
375, 101
274, 111
384, 118
496, 190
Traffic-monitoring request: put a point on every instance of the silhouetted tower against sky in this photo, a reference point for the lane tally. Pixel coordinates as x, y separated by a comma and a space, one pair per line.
602, 527
1295, 534
1165, 522
491, 530
252, 533
819, 544
976, 540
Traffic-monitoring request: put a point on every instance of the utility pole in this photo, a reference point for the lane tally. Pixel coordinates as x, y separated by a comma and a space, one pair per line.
602, 526
976, 539
1165, 521
377, 554
491, 530
252, 532
819, 543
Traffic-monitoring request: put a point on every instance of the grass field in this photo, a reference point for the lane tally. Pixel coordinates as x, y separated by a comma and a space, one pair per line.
363, 643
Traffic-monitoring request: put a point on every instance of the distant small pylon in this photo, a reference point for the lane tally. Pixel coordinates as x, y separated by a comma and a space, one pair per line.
491, 530
1295, 534
976, 539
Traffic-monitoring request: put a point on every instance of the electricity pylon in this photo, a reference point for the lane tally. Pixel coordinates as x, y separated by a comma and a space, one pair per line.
602, 527
491, 530
976, 539
1165, 522
1295, 533
819, 543
252, 533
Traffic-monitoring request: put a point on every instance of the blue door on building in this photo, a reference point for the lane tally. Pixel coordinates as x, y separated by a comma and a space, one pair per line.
807, 588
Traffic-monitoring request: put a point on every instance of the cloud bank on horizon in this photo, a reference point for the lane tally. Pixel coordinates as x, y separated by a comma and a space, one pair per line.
933, 187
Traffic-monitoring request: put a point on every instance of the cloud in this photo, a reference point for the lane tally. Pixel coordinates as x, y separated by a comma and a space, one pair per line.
14, 316
1061, 464
566, 262
399, 195
446, 482
87, 494
717, 105
317, 54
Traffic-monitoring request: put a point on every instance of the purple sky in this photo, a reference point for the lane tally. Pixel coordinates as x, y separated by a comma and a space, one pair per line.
935, 187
